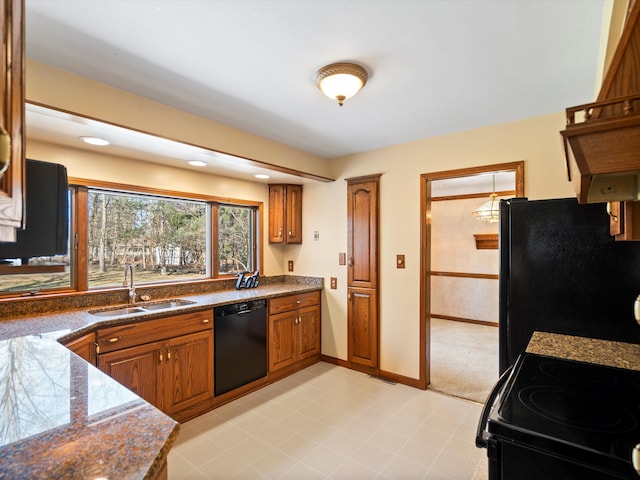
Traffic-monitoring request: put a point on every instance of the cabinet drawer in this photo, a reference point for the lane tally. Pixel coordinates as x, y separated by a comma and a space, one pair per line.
292, 302
139, 333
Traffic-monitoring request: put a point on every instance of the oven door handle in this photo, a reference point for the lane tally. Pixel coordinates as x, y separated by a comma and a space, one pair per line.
482, 435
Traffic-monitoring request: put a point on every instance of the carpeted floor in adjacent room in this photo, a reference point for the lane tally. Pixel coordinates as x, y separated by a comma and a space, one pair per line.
464, 359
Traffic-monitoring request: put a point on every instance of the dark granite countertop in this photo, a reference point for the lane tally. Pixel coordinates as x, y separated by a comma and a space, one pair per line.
588, 350
63, 418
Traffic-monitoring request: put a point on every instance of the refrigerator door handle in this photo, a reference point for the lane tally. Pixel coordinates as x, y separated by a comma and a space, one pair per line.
482, 435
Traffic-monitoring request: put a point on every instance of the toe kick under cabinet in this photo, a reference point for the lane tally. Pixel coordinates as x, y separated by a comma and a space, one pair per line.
294, 332
166, 361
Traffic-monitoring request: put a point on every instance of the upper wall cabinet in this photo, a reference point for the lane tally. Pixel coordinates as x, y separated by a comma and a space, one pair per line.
12, 119
602, 139
285, 214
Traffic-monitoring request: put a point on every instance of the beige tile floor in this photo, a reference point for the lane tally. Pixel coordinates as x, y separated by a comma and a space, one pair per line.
328, 422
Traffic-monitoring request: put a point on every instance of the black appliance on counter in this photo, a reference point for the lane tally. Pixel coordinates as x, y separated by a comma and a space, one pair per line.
551, 418
47, 214
240, 344
562, 272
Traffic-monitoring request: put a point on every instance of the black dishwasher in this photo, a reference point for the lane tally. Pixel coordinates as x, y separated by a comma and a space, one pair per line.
240, 344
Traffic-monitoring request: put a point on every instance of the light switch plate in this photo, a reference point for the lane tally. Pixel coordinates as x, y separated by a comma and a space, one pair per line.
400, 261
342, 258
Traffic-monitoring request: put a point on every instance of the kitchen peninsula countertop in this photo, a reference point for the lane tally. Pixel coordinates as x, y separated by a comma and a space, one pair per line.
588, 350
63, 418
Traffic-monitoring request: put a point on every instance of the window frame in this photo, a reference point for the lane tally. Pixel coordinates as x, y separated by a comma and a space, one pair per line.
78, 234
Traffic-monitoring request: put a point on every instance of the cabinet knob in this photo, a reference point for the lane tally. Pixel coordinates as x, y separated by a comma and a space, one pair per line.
205, 321
95, 344
351, 261
280, 233
168, 354
160, 356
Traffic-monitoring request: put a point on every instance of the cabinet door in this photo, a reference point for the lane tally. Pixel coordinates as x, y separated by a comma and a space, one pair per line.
308, 332
188, 371
277, 207
362, 233
12, 117
282, 341
137, 368
363, 327
84, 347
294, 214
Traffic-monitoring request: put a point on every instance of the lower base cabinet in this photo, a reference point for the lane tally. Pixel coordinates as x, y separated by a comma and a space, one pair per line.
294, 330
175, 374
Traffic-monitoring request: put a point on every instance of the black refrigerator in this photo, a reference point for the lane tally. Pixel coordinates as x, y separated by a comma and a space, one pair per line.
562, 272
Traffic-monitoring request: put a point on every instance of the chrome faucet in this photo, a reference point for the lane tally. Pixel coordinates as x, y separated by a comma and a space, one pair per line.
128, 269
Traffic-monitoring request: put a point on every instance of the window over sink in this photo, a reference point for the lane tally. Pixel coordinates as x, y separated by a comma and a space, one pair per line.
167, 237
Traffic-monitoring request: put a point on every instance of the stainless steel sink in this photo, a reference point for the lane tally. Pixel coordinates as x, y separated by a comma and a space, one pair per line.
166, 304
141, 308
117, 312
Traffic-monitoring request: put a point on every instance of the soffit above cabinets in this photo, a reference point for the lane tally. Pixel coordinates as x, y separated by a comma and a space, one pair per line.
65, 129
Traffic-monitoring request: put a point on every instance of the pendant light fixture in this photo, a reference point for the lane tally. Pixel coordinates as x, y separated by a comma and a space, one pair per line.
489, 211
340, 81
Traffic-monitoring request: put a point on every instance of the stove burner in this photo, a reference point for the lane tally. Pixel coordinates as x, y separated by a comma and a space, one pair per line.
576, 374
576, 409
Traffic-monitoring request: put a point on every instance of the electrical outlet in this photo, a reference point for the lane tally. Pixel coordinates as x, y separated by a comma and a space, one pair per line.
291, 265
334, 283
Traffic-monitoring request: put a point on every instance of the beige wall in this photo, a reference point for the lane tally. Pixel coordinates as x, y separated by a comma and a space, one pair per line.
536, 141
453, 249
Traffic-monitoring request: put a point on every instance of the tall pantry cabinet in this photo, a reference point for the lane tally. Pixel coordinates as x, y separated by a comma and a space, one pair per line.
362, 276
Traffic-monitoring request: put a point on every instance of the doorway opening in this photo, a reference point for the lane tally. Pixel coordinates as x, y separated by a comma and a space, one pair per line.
459, 277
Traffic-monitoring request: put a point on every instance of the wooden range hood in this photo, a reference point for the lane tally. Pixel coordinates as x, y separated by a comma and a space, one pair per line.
602, 139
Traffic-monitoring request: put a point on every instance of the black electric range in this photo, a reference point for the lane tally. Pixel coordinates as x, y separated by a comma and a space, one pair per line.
553, 418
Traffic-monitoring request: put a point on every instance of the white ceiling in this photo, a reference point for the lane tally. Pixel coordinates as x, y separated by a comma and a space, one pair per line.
435, 66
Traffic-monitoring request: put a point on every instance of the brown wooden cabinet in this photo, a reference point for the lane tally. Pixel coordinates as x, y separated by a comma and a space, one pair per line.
285, 214
624, 220
84, 346
168, 361
362, 277
362, 311
12, 118
294, 331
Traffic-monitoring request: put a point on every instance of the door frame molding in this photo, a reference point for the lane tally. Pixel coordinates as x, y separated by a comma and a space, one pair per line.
425, 247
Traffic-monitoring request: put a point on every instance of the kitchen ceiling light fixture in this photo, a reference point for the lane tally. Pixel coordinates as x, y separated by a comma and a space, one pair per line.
262, 176
489, 211
340, 81
197, 163
101, 142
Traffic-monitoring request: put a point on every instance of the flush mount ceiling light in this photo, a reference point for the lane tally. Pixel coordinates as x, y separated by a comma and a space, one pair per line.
101, 142
489, 211
261, 176
340, 81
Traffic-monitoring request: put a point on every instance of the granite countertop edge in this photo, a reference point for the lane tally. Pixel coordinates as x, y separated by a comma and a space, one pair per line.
588, 350
74, 323
65, 325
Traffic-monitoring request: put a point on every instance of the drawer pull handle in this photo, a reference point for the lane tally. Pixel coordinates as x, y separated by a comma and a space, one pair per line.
168, 354
161, 356
113, 339
206, 320
297, 301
